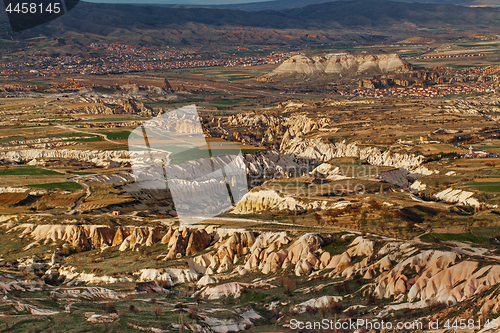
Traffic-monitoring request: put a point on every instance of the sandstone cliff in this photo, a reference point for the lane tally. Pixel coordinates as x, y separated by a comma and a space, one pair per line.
340, 63
316, 149
410, 273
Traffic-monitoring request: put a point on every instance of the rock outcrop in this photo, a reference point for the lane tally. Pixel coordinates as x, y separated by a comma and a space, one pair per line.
411, 274
317, 303
98, 157
229, 289
265, 200
254, 202
253, 120
458, 196
272, 164
327, 171
339, 63
315, 149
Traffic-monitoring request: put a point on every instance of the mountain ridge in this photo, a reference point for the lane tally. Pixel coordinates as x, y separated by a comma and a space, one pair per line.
151, 22
291, 4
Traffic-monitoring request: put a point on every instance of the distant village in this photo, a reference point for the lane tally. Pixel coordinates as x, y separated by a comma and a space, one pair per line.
125, 58
421, 92
467, 151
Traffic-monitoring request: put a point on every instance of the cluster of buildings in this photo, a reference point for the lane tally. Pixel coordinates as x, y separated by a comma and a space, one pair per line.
479, 154
419, 92
126, 58
445, 56
116, 47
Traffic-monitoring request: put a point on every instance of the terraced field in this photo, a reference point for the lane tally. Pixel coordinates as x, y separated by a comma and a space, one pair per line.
10, 199
59, 200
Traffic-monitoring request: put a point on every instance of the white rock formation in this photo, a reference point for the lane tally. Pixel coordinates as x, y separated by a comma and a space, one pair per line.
340, 63
418, 186
270, 200
253, 120
317, 303
458, 196
100, 158
74, 277
318, 150
272, 164
91, 293
171, 276
265, 200
206, 280
327, 171
230, 289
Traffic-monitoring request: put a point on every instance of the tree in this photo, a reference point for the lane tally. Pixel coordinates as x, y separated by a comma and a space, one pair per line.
157, 310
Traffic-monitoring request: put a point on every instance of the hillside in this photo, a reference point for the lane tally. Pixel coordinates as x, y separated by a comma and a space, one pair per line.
341, 64
158, 25
273, 5
285, 4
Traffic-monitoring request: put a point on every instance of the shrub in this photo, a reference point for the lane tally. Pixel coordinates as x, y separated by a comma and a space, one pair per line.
343, 287
157, 310
311, 310
193, 312
109, 307
372, 300
351, 313
437, 306
335, 307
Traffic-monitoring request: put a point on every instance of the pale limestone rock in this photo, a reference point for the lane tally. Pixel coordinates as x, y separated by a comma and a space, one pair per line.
225, 265
303, 267
265, 200
361, 247
328, 171
325, 259
418, 186
206, 280
224, 290
317, 303
340, 63
325, 151
458, 196
198, 240
166, 239
339, 262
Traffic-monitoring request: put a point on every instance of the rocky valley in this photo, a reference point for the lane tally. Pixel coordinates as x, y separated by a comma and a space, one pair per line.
328, 168
356, 209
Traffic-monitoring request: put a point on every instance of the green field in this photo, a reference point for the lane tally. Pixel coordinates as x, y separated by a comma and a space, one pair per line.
225, 102
478, 45
65, 186
195, 153
482, 186
488, 148
432, 237
120, 135
28, 171
112, 119
12, 138
240, 77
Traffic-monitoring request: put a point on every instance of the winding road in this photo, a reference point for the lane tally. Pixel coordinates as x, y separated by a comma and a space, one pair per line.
87, 191
104, 136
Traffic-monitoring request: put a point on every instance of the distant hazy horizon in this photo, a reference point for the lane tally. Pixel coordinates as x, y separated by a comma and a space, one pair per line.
183, 2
